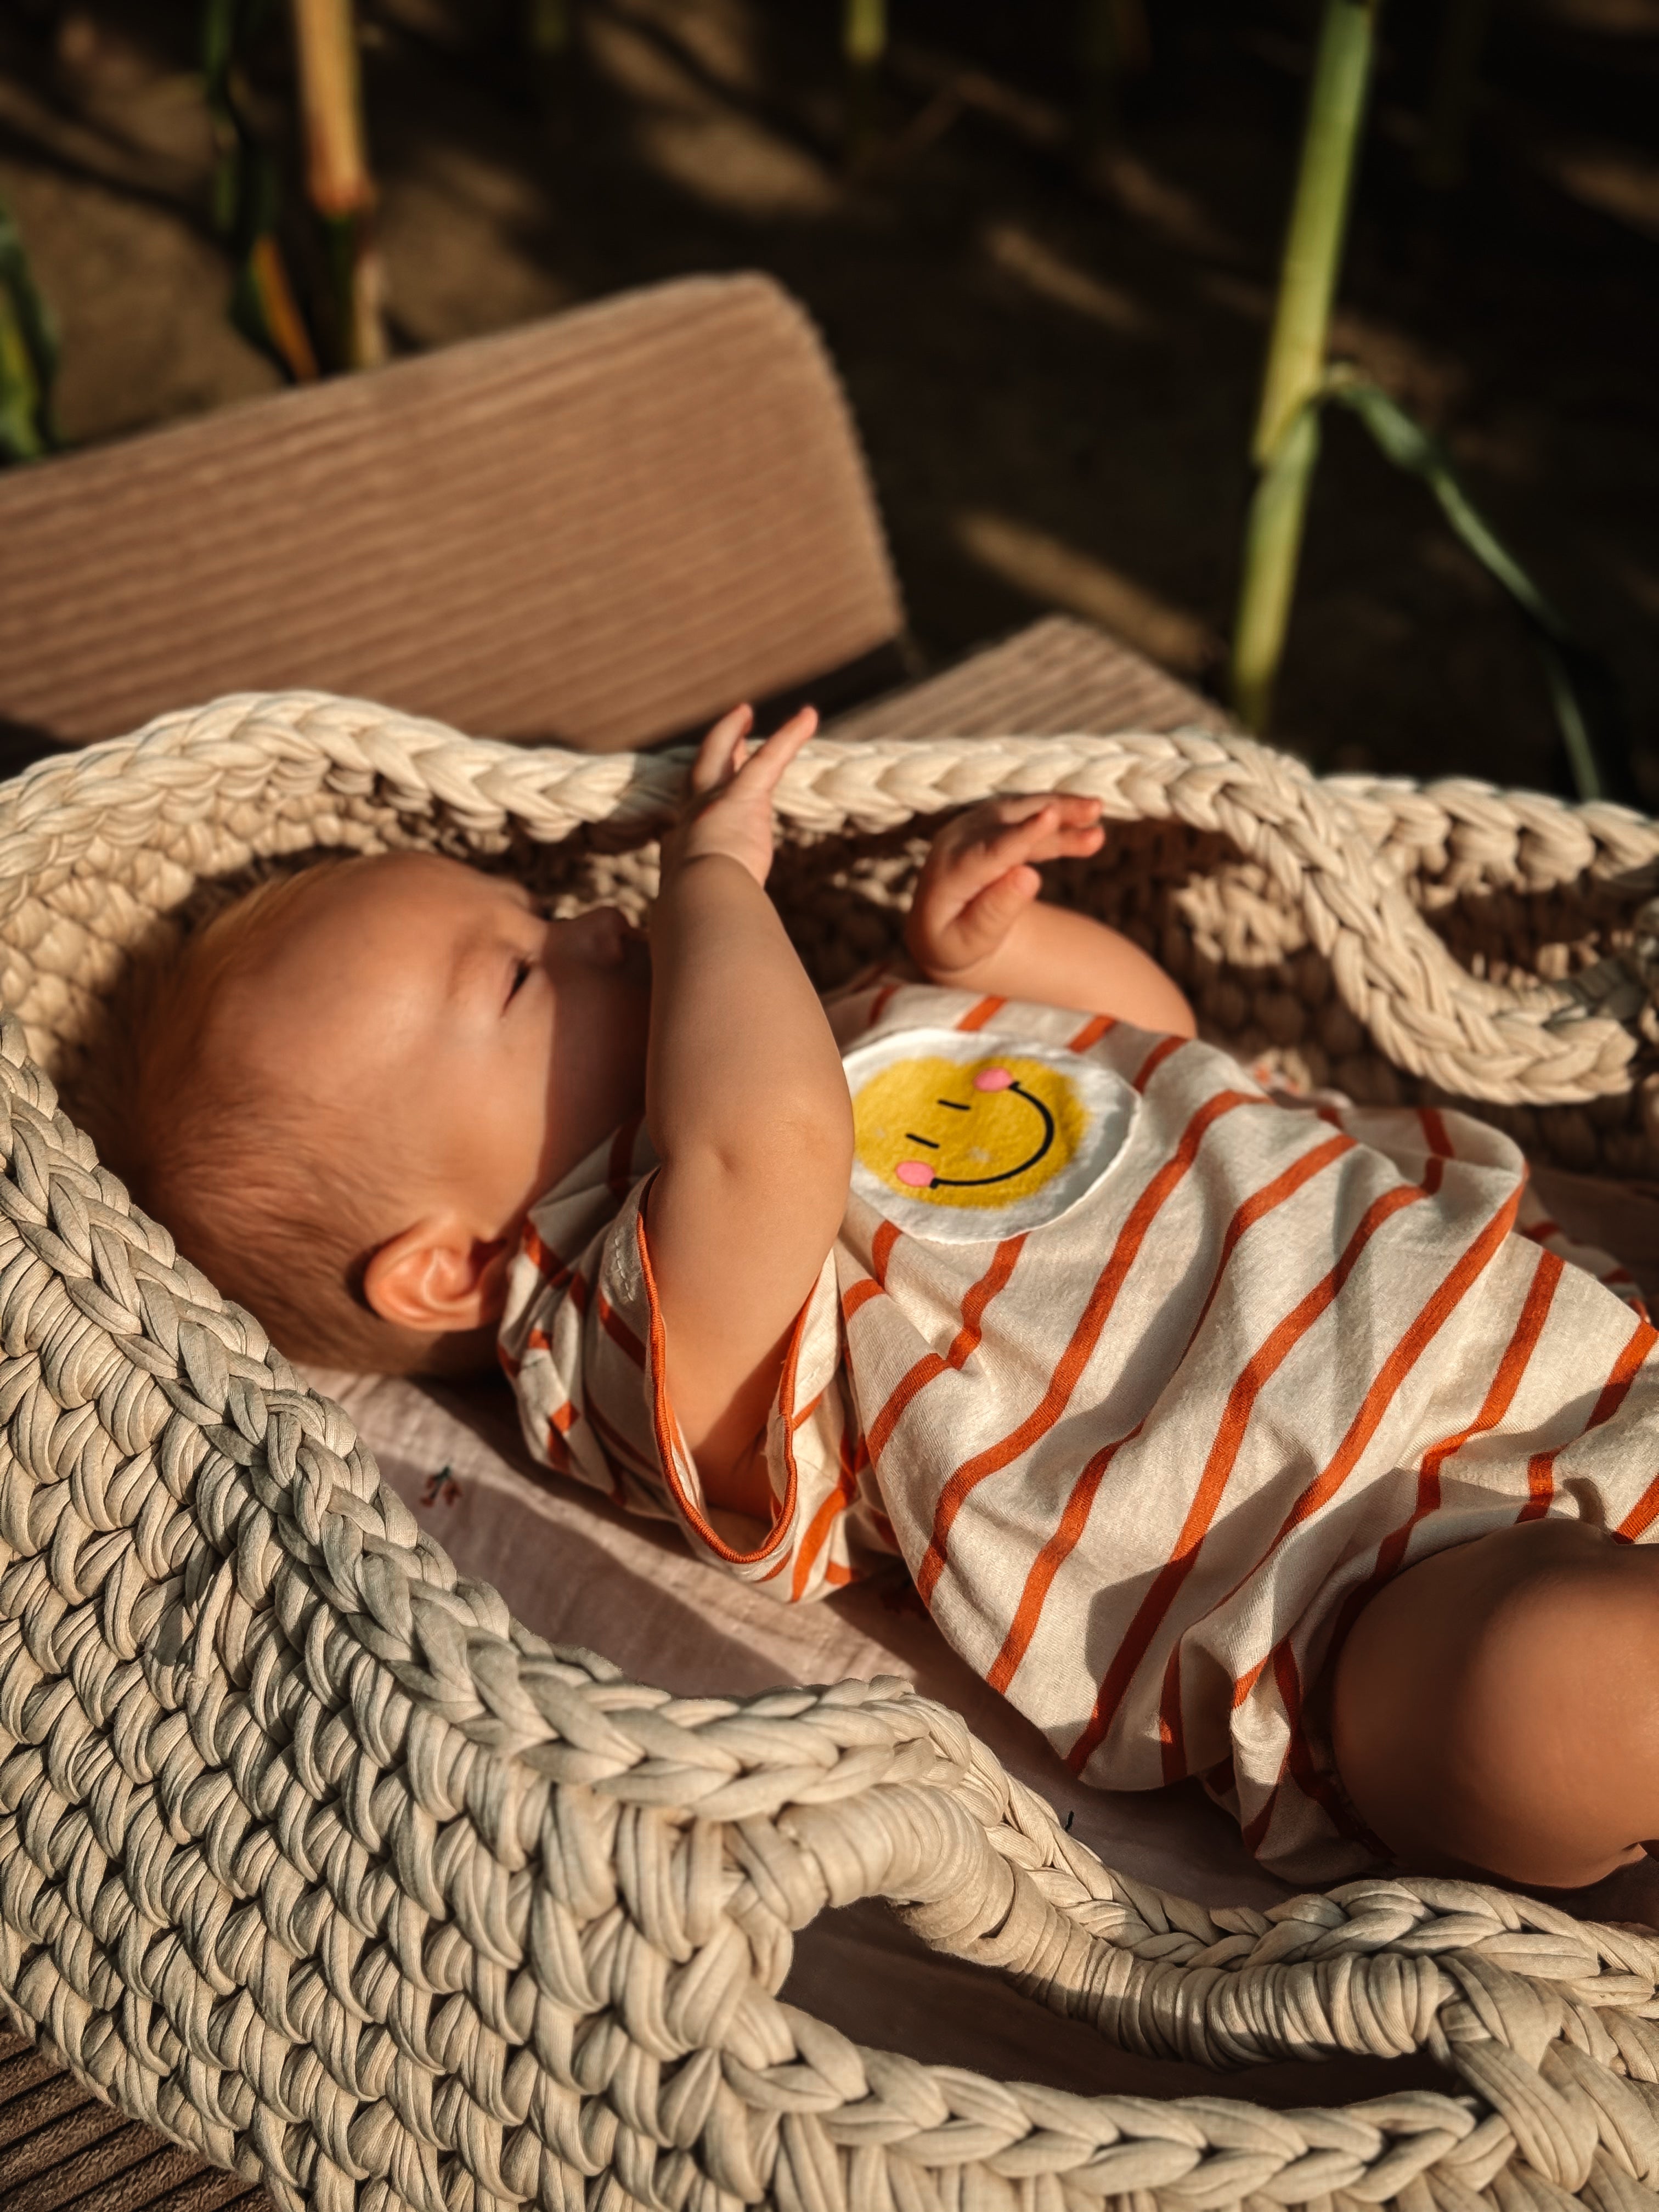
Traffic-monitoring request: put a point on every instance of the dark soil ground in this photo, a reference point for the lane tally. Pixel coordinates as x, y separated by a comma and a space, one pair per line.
1056, 373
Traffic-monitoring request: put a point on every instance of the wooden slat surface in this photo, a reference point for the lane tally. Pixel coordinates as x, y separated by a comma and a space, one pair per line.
599, 528
63, 2149
1055, 675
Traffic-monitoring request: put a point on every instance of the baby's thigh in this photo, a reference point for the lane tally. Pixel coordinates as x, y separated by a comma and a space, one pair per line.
1496, 1707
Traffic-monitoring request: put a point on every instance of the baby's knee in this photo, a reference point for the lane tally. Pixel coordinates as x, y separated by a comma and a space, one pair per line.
1497, 1706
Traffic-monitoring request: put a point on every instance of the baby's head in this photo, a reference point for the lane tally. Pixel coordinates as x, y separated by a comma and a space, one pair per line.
347, 1092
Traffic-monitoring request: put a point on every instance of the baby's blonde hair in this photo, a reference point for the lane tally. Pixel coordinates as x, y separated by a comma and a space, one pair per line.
249, 1180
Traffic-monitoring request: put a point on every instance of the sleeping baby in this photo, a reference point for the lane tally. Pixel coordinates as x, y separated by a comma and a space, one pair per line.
1227, 1438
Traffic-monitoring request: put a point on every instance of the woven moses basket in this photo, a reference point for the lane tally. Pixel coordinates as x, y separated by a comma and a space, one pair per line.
313, 1857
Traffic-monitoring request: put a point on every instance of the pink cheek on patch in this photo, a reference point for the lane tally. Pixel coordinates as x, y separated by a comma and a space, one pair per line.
916, 1173
992, 1078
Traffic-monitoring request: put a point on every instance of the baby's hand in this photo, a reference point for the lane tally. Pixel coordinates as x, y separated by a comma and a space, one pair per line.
729, 808
978, 879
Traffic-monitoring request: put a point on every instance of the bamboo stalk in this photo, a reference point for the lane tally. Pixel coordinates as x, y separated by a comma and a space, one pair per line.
28, 354
1296, 350
1442, 158
338, 180
548, 29
864, 48
864, 33
1114, 43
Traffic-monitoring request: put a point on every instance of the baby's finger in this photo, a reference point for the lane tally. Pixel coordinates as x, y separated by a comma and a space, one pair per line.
1068, 844
991, 913
721, 752
769, 761
993, 854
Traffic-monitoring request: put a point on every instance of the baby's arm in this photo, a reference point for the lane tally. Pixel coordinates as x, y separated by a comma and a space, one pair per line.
976, 923
748, 1111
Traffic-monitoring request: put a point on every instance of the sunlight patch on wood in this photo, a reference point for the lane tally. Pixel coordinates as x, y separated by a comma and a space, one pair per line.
1615, 182
1018, 254
727, 159
1057, 574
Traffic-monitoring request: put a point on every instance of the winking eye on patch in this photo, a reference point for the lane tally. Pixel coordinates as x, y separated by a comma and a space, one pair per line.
965, 1137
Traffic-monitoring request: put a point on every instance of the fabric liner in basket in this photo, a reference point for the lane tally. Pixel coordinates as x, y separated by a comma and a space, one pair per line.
311, 1855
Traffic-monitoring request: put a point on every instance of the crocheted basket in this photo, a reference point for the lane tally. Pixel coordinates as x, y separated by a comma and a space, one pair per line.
313, 1856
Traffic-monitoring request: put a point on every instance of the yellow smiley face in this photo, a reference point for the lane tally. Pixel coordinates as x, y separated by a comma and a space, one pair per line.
978, 1134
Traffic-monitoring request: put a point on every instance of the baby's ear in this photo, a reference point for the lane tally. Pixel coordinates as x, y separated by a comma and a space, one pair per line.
437, 1277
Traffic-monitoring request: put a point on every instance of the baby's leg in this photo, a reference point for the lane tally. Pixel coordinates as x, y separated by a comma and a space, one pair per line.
1496, 1707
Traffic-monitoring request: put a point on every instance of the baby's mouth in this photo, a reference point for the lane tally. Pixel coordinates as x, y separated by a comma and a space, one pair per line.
921, 1175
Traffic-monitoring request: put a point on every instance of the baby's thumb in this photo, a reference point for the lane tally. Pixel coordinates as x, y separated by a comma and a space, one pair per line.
720, 754
991, 913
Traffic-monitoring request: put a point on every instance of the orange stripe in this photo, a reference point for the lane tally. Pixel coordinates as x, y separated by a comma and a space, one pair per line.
978, 1016
928, 1369
542, 1256
1465, 1271
1614, 1391
1252, 1379
1539, 1230
662, 1416
806, 1412
1091, 1032
1540, 1468
881, 1251
818, 1527
1068, 1534
1155, 1058
1468, 1267
881, 1247
618, 1331
1500, 1396
1086, 1334
1434, 1130
560, 1422
1073, 1520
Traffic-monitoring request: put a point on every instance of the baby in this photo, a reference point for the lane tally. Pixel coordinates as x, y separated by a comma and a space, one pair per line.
1225, 1438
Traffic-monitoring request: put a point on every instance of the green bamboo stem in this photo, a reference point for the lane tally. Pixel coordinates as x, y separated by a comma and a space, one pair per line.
1114, 43
864, 48
864, 33
1296, 350
1272, 542
338, 180
548, 29
1442, 159
28, 354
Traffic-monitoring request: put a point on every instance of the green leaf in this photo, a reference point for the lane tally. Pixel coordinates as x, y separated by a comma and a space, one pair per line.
28, 354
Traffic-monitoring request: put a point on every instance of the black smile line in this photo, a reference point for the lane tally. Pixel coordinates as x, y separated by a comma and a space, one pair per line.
974, 1182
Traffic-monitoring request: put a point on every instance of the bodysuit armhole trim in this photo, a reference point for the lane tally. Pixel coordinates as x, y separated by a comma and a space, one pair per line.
667, 1432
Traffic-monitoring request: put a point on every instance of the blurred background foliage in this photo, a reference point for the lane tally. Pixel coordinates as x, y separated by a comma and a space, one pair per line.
1043, 238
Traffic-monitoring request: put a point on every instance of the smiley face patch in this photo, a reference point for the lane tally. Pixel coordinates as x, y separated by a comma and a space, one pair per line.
960, 1138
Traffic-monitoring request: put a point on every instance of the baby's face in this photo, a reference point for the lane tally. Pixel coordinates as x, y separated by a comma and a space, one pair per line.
441, 1017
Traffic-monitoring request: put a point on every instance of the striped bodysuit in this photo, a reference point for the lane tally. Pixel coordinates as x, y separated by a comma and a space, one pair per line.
1148, 1378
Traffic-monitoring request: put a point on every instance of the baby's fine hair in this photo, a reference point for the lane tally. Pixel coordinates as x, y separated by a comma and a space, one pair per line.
258, 1186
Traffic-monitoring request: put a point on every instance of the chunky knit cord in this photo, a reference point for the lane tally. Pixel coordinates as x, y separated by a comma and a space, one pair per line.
313, 1856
